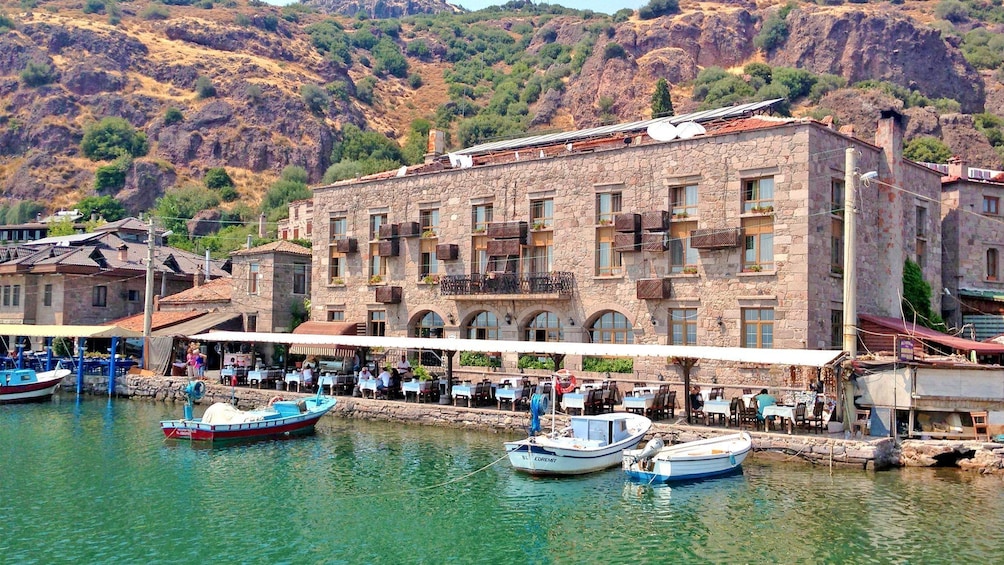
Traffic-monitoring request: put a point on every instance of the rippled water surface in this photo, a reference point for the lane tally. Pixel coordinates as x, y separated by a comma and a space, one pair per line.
94, 482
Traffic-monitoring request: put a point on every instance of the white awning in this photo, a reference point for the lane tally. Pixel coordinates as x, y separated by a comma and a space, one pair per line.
31, 330
196, 325
800, 357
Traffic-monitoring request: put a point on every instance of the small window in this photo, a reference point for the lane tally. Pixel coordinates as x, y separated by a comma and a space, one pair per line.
542, 213
300, 279
481, 216
683, 326
47, 295
337, 228
251, 323
253, 278
758, 195
133, 295
992, 262
336, 315
6, 295
607, 205
377, 322
684, 201
99, 296
758, 328
991, 205
837, 197
428, 221
836, 329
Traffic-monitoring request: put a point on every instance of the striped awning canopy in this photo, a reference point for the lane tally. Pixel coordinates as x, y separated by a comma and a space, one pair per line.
31, 330
323, 328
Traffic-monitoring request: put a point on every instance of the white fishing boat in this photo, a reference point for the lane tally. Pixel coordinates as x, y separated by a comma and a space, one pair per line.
25, 385
659, 463
590, 443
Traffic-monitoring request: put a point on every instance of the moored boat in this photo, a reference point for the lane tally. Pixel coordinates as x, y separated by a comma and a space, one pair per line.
222, 422
590, 443
25, 385
659, 463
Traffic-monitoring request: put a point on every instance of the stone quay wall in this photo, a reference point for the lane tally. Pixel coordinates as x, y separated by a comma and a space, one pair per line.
827, 450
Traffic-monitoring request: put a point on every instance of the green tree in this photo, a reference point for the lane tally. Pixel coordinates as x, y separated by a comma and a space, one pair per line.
23, 211
112, 176
180, 204
662, 103
172, 116
927, 150
104, 206
657, 8
294, 173
6, 23
217, 178
774, 31
204, 87
917, 298
357, 145
315, 97
60, 228
111, 138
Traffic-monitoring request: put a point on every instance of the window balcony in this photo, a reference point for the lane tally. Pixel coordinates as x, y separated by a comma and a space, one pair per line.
719, 238
513, 286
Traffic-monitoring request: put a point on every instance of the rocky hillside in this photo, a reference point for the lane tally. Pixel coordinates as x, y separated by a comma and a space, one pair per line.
252, 87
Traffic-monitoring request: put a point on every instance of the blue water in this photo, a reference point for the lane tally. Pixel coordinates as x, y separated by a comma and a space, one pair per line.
94, 482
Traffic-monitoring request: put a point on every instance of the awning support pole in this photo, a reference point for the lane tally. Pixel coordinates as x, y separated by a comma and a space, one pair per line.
111, 366
82, 343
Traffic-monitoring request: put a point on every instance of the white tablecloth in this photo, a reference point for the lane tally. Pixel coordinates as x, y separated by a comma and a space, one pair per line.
416, 386
509, 393
367, 384
642, 390
642, 402
783, 412
573, 400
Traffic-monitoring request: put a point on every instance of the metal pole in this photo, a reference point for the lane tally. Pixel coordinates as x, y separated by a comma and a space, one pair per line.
148, 299
48, 354
82, 342
111, 366
850, 313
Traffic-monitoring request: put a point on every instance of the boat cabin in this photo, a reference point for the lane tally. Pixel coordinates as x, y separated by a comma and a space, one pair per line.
14, 377
602, 431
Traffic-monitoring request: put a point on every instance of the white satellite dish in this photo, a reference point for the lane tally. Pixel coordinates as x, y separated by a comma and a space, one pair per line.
662, 131
687, 130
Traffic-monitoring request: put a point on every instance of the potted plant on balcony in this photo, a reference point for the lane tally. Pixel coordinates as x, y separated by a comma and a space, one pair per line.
429, 234
690, 270
376, 279
338, 281
478, 230
421, 373
537, 226
680, 215
430, 279
606, 222
754, 268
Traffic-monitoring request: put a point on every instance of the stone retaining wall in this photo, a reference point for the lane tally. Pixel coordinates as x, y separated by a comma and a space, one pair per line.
872, 454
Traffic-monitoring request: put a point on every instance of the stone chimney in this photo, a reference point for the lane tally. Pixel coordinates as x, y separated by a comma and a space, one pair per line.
958, 168
123, 252
436, 146
890, 213
261, 228
197, 279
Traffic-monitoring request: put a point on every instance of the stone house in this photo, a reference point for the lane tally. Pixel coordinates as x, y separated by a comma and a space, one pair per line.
973, 232
271, 285
300, 223
731, 237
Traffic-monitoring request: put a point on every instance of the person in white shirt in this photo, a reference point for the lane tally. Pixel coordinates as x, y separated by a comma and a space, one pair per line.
384, 379
403, 366
364, 373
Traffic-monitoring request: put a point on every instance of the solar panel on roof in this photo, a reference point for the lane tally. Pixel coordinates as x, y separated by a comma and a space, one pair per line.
563, 137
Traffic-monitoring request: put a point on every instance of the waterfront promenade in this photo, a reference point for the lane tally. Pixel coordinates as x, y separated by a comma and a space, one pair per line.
826, 449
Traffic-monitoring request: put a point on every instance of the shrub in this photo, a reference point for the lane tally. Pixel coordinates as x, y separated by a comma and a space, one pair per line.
217, 178
623, 15
357, 144
364, 89
112, 177
773, 33
172, 116
533, 362
418, 49
314, 97
94, 6
798, 81
657, 8
608, 365
229, 194
614, 50
662, 103
104, 206
37, 74
951, 10
180, 204
927, 149
389, 59
111, 138
23, 211
253, 92
477, 359
759, 70
282, 192
415, 80
155, 12
6, 23
114, 12
825, 83
204, 87
350, 169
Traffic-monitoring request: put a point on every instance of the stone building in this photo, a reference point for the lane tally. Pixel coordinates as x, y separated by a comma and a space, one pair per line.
271, 285
973, 231
731, 237
300, 223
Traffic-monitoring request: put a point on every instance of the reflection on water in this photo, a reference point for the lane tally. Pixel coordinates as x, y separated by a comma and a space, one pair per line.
365, 492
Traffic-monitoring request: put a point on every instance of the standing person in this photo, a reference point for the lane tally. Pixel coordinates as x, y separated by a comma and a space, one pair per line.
190, 362
200, 364
403, 366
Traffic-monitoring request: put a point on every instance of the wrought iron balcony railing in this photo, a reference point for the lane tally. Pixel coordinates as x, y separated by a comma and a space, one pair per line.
507, 283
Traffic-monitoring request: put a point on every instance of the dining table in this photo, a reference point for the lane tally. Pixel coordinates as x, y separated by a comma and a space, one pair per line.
508, 394
639, 403
368, 385
415, 387
723, 407
780, 411
292, 378
573, 401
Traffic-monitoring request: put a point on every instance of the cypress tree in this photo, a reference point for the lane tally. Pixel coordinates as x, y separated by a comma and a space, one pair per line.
662, 103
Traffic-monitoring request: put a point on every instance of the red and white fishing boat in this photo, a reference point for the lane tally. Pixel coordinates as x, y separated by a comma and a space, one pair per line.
25, 385
224, 423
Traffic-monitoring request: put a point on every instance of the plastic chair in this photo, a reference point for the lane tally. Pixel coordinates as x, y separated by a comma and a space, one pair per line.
980, 424
862, 422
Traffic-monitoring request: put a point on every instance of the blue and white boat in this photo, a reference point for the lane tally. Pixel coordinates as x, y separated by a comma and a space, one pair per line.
590, 443
659, 463
25, 385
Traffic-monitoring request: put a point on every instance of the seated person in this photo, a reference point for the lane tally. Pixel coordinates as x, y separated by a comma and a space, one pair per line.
696, 399
308, 374
383, 381
364, 373
763, 400
404, 367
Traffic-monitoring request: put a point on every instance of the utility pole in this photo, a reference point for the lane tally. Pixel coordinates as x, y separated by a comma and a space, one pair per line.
148, 303
850, 313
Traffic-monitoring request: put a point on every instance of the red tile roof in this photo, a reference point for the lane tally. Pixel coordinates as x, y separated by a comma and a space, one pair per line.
281, 246
160, 320
216, 290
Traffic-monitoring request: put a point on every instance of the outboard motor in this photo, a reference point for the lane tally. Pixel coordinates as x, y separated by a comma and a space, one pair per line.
194, 391
653, 447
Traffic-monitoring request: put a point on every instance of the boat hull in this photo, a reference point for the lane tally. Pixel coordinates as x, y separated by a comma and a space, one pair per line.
197, 431
39, 390
543, 456
691, 461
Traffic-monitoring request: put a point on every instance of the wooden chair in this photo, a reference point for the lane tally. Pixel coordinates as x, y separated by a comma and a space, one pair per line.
734, 408
670, 407
717, 393
800, 421
748, 416
862, 422
655, 412
980, 425
747, 391
815, 421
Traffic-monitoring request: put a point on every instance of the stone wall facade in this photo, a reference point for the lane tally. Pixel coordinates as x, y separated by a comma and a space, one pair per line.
799, 288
